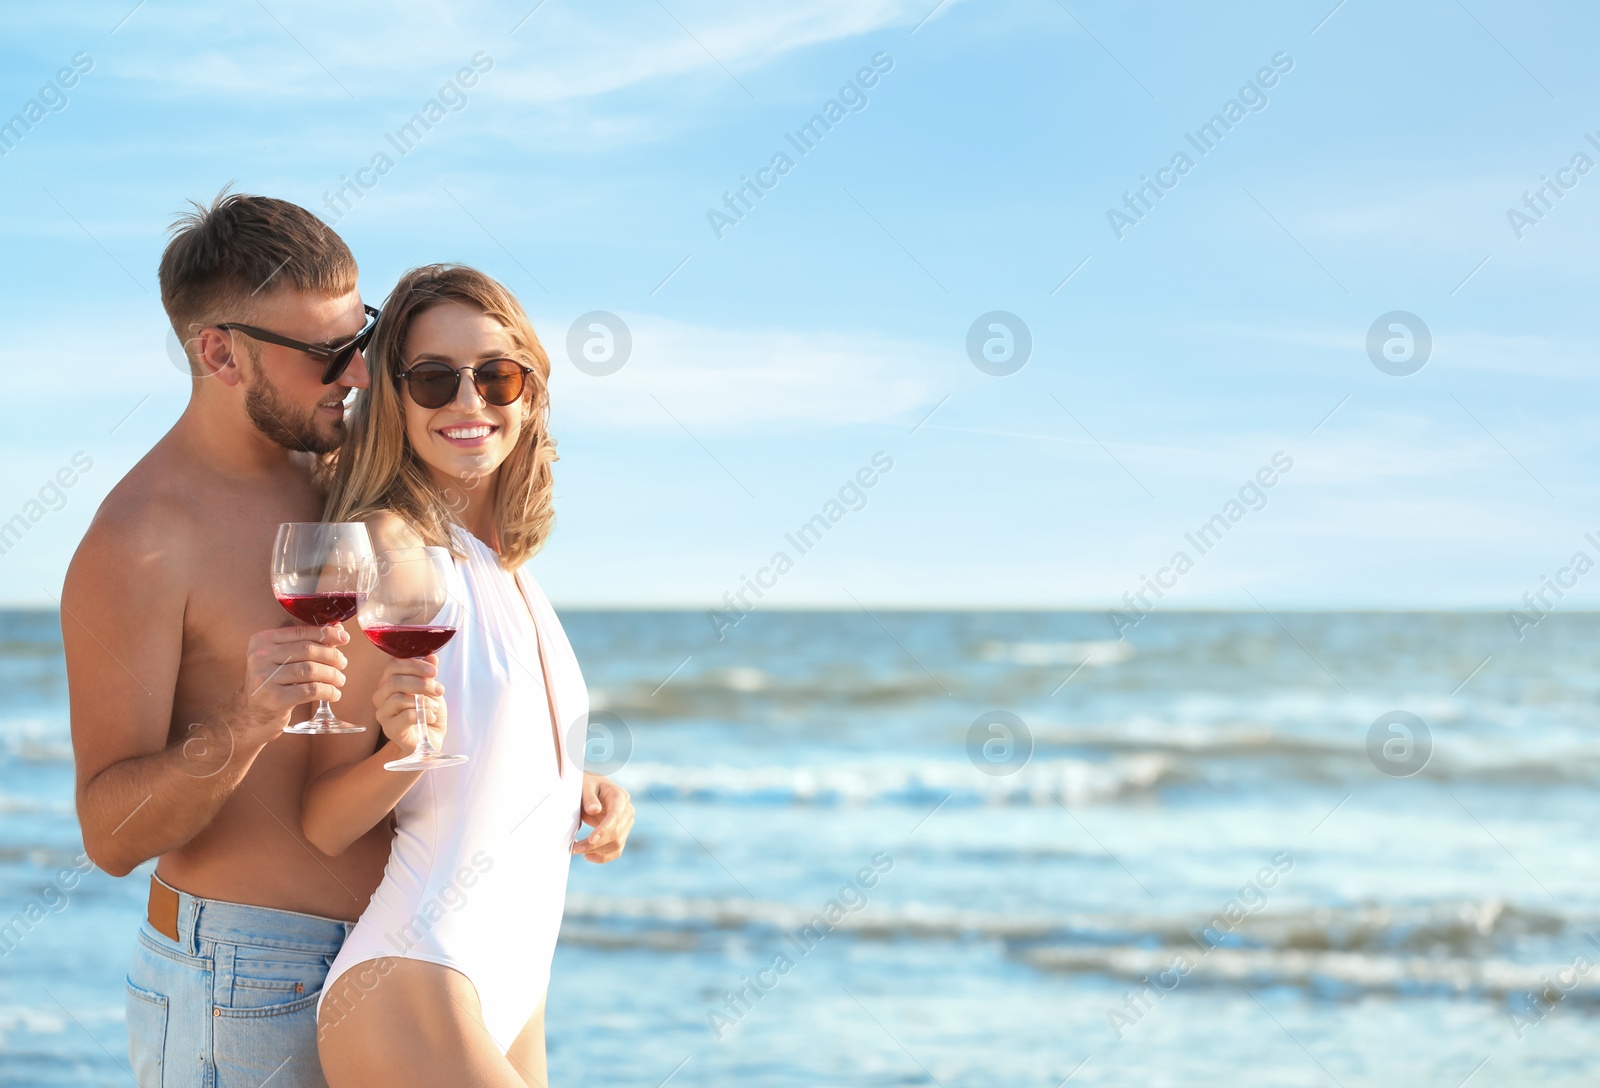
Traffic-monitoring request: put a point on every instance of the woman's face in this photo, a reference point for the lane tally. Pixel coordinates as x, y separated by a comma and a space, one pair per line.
468, 438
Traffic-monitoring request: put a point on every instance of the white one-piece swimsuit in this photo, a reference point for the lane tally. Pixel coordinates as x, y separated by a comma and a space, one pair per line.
477, 875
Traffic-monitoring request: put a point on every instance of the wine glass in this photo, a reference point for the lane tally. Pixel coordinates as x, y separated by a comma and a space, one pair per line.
315, 569
402, 605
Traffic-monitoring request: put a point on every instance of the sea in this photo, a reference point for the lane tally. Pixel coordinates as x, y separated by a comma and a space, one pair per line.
964, 848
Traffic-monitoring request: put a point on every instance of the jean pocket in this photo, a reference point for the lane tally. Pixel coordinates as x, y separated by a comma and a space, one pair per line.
264, 1026
147, 1035
251, 980
274, 1042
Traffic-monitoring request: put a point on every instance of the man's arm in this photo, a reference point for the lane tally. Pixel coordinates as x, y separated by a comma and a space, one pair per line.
139, 795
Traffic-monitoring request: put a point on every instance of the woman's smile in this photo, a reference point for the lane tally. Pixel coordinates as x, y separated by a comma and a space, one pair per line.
469, 435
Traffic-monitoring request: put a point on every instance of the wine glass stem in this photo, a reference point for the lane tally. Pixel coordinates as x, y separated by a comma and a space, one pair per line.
324, 714
424, 741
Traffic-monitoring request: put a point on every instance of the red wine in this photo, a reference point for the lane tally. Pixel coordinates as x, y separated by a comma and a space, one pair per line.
321, 609
409, 640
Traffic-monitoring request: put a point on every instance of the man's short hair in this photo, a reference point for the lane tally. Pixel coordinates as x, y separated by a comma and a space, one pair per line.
223, 257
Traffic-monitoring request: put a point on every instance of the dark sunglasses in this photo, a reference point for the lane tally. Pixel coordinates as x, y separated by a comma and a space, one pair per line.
433, 385
335, 357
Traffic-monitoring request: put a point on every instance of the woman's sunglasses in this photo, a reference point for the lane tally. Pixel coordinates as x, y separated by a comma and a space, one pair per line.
433, 385
335, 358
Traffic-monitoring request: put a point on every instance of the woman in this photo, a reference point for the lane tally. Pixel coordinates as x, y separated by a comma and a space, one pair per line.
442, 981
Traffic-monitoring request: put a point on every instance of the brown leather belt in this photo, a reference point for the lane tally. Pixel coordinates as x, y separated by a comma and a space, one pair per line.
163, 909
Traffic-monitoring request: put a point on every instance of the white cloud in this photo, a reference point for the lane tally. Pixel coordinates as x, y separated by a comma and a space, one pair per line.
726, 379
1474, 349
1515, 353
1413, 208
1390, 445
619, 56
562, 52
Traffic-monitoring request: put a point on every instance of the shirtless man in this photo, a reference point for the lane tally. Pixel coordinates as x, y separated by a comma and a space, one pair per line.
183, 672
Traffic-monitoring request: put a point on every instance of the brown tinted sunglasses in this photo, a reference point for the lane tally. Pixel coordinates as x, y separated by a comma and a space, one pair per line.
433, 385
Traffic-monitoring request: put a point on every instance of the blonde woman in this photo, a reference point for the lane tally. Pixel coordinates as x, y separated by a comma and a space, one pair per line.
443, 979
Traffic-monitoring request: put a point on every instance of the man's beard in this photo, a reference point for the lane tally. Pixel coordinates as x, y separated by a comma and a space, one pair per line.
290, 427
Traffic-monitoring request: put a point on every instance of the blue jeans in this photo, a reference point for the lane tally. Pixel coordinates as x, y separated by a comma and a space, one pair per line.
232, 1003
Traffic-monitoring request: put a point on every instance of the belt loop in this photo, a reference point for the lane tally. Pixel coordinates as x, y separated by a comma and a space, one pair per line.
189, 908
222, 975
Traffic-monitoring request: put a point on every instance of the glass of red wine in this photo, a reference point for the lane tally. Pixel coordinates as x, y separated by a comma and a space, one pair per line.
315, 570
403, 607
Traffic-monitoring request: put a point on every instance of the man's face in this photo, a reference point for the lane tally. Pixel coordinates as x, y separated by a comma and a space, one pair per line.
284, 394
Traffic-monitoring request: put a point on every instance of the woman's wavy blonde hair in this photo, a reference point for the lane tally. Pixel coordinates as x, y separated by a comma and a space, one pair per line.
376, 469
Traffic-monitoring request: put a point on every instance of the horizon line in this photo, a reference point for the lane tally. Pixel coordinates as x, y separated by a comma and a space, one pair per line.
591, 606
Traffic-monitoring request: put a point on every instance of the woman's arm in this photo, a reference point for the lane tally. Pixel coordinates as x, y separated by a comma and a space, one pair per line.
348, 790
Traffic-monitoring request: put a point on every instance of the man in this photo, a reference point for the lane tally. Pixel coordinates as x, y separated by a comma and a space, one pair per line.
183, 673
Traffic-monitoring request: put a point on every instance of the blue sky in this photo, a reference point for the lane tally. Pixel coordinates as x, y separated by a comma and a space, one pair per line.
769, 365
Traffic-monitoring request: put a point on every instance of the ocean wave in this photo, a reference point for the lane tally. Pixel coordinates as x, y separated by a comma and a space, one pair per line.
32, 1020
730, 692
9, 804
1472, 949
1227, 760
1041, 782
36, 740
687, 914
50, 858
1458, 927
1144, 734
1092, 654
1196, 750
1364, 945
1339, 973
37, 749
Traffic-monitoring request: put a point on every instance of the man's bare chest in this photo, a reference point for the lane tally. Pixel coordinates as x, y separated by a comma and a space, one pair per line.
230, 596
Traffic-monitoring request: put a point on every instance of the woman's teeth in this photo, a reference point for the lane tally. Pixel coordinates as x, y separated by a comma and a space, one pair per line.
479, 431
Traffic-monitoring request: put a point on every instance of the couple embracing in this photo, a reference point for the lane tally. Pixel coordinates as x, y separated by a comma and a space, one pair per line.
313, 917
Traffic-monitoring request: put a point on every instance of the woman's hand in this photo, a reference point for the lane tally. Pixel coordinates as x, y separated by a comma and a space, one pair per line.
608, 808
403, 680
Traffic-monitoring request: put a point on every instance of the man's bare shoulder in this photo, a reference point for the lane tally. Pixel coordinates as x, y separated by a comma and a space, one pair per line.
144, 527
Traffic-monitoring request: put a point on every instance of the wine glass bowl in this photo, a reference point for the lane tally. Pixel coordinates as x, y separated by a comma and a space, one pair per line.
403, 602
316, 570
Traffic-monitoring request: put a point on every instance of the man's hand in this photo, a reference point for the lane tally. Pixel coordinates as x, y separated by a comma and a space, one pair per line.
287, 667
608, 809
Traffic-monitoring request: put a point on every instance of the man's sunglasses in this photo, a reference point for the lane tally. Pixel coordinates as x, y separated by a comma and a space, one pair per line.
335, 358
433, 385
